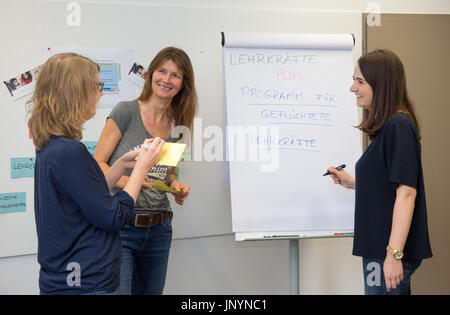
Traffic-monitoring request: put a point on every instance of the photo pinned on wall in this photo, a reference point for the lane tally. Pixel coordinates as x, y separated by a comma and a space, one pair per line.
137, 74
112, 62
110, 76
22, 84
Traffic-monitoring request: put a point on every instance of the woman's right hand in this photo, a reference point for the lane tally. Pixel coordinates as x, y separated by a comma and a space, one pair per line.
342, 178
149, 153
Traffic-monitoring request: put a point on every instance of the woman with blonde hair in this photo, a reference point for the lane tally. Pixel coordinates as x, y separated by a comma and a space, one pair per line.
168, 99
77, 219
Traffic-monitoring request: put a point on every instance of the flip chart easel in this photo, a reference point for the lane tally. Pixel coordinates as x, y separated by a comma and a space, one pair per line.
294, 249
288, 103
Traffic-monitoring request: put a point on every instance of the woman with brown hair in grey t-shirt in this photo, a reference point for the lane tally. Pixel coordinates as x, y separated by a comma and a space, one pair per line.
168, 99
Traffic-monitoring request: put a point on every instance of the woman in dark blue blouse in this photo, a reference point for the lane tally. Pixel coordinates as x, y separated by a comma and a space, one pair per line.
77, 220
391, 231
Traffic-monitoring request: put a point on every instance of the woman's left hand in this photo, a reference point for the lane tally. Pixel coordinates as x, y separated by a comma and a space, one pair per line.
129, 159
181, 196
393, 272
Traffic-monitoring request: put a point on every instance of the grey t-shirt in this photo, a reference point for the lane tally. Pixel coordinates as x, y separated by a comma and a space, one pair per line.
128, 118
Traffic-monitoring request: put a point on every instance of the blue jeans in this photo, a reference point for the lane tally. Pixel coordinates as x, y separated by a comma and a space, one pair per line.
374, 283
145, 254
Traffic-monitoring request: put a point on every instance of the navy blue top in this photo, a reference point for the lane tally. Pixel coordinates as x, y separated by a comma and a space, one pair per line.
393, 158
77, 220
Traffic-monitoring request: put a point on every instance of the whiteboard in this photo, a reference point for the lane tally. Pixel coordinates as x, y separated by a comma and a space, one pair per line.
194, 27
290, 115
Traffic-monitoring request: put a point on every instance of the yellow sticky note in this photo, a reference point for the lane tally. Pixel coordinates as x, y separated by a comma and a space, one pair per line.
159, 185
171, 153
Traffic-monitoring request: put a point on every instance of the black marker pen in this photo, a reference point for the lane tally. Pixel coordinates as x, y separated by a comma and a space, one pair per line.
337, 168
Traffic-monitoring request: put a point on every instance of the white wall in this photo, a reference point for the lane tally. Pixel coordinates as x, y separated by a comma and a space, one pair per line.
217, 264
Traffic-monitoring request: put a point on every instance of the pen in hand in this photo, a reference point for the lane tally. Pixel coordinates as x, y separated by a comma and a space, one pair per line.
340, 167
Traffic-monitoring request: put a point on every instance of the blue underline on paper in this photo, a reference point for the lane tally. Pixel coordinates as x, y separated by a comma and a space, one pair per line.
297, 149
277, 104
299, 123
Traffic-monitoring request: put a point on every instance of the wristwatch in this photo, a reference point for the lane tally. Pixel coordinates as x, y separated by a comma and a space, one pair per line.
398, 254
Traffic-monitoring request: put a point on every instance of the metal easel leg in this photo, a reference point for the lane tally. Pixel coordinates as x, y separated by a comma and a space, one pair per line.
294, 279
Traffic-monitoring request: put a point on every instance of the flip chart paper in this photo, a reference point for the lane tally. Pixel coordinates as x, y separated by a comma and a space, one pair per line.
296, 85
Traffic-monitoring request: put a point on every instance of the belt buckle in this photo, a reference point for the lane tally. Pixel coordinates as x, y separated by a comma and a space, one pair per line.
136, 224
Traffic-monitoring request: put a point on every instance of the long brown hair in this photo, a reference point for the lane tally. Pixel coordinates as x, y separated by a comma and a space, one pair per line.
184, 105
383, 71
59, 105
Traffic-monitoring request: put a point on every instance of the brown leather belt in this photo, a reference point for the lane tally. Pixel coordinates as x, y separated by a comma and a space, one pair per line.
146, 220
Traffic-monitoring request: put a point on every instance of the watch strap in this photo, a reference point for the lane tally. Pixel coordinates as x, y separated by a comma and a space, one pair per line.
398, 254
